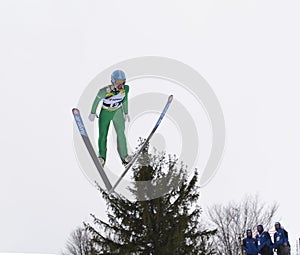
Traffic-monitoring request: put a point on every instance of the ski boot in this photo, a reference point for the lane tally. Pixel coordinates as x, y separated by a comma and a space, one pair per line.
102, 161
127, 159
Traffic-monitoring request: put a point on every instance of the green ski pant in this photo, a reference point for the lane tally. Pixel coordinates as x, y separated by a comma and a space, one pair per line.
118, 120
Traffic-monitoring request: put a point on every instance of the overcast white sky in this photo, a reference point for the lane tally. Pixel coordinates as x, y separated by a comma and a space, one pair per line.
247, 50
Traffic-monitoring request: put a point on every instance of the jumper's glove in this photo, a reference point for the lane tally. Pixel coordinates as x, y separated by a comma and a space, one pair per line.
92, 116
127, 118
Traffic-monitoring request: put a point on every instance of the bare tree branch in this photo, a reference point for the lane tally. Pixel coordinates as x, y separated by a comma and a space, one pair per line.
234, 218
79, 243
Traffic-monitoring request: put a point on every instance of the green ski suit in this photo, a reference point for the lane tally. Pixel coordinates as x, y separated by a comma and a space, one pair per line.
114, 106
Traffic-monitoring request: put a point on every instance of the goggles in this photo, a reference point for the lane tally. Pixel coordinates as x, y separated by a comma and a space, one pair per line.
119, 84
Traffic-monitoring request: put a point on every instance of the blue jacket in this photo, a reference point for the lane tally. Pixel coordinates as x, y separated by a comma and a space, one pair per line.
280, 237
263, 239
249, 246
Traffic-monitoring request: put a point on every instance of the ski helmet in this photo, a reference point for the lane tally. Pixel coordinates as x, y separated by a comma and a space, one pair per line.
118, 75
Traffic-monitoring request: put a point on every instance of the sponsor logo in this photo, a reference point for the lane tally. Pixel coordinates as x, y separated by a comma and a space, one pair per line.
80, 125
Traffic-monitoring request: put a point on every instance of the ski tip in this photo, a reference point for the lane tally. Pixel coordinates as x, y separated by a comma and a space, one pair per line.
75, 111
170, 98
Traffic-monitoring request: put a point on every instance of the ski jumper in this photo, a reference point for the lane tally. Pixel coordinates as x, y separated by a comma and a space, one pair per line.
114, 106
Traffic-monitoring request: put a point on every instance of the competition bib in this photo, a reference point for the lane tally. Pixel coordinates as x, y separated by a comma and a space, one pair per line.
113, 101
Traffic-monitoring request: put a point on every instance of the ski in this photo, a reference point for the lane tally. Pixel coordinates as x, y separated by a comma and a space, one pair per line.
129, 165
89, 146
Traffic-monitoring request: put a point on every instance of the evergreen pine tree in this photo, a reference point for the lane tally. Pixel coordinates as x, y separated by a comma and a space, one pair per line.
164, 219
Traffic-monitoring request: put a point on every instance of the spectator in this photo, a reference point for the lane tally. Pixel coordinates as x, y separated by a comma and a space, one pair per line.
249, 244
264, 242
281, 240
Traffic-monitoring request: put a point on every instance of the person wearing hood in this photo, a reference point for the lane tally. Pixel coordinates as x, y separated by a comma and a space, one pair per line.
264, 242
281, 240
249, 244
